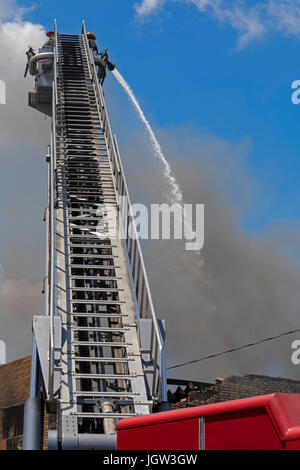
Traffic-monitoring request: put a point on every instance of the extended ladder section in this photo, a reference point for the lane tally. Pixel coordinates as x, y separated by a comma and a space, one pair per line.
104, 345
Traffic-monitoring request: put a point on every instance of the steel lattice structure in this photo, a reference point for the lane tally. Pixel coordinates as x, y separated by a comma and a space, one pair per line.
98, 352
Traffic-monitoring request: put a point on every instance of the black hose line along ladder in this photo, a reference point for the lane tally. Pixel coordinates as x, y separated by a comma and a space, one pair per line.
98, 353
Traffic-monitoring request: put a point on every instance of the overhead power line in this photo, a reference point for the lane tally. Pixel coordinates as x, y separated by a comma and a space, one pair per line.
249, 345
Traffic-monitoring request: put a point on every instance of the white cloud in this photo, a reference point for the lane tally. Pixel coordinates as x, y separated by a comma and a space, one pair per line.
148, 6
18, 121
11, 10
284, 16
250, 19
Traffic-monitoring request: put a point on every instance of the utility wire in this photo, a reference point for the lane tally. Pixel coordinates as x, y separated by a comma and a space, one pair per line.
249, 345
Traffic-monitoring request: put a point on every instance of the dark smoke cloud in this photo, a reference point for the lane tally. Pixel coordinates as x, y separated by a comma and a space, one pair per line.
245, 286
20, 300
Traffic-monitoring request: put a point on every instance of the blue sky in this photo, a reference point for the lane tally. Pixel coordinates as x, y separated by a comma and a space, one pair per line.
187, 65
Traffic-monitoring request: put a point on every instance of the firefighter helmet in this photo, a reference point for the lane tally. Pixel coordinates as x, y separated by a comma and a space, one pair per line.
91, 35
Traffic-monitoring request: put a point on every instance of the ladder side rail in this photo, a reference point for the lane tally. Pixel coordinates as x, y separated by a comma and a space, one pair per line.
101, 105
52, 287
55, 60
47, 217
140, 278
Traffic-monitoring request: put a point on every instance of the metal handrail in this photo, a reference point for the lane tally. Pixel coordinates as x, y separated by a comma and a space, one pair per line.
55, 60
52, 232
52, 227
132, 244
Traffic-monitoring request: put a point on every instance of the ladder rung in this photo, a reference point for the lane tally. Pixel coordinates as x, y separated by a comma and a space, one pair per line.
91, 243
95, 172
99, 329
86, 133
107, 394
100, 192
88, 237
96, 163
100, 302
98, 246
103, 201
96, 183
89, 211
95, 289
94, 266
106, 415
87, 219
104, 359
100, 315
89, 178
93, 256
81, 126
101, 343
96, 278
90, 246
105, 376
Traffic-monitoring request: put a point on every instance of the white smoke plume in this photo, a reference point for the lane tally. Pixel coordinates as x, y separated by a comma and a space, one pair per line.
18, 122
24, 135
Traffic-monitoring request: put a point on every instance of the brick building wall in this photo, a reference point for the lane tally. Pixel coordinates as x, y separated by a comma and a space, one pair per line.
250, 385
14, 382
235, 387
14, 391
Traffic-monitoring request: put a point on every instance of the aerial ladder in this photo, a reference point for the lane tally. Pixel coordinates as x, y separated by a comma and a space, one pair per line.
99, 350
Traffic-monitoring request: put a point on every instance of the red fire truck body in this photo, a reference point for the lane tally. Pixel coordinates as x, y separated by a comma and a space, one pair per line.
268, 422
